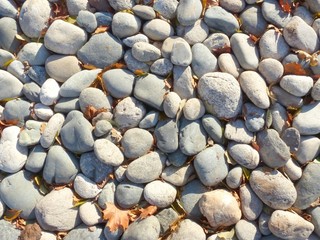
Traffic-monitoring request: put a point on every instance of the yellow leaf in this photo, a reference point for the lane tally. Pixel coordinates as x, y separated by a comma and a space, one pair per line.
71, 20
101, 29
116, 217
226, 235
22, 37
246, 173
7, 63
11, 214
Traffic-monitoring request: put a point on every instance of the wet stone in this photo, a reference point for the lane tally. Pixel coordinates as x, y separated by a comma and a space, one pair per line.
128, 194
237, 131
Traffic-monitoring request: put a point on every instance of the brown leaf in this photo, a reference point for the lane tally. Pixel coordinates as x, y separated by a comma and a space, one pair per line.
224, 49
31, 232
148, 211
294, 68
11, 214
140, 73
92, 112
4, 124
254, 38
285, 6
116, 217
101, 29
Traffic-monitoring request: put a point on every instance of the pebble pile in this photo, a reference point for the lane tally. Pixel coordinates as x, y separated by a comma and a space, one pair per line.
211, 108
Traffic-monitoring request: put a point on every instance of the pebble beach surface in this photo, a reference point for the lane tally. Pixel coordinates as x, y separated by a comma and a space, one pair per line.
204, 113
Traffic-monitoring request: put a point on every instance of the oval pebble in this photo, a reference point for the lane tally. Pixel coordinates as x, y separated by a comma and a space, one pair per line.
90, 214
166, 135
237, 131
10, 86
125, 24
167, 8
183, 83
33, 53
145, 52
195, 33
107, 152
213, 127
244, 154
297, 85
315, 92
193, 109
144, 12
178, 176
228, 63
149, 226
85, 187
188, 229
293, 170
160, 194
246, 230
273, 13
271, 69
157, 29
252, 21
128, 194
251, 205
309, 149
188, 12
234, 177
181, 54
171, 104
161, 67
49, 92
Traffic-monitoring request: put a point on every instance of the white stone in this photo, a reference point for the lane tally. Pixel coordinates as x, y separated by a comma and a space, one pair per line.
49, 92
42, 111
85, 187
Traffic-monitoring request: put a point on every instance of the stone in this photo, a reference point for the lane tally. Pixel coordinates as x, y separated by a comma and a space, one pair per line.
220, 208
315, 92
213, 127
75, 6
17, 110
166, 135
177, 158
31, 133
55, 212
61, 166
107, 152
181, 54
309, 149
221, 94
306, 121
59, 40
145, 52
122, 4
130, 41
254, 117
237, 131
144, 12
211, 165
166, 218
160, 194
195, 33
263, 223
36, 159
82, 232
8, 230
247, 230
178, 176
33, 53
10, 86
233, 6
85, 187
251, 205
157, 29
90, 214
297, 85
37, 74
42, 111
161, 67
193, 109
274, 189
234, 177
17, 69
150, 120
49, 92
188, 229
279, 117
228, 63
31, 91
273, 13
133, 64
271, 70
66, 105
125, 24
102, 128
87, 20
291, 137
129, 194
94, 97
293, 170
149, 226
252, 21
188, 12
107, 194
183, 83
273, 45
244, 154
19, 186
166, 8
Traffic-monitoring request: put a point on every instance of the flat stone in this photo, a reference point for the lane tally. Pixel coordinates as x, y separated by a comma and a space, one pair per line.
181, 54
145, 52
254, 117
55, 212
213, 127
178, 176
160, 194
107, 152
188, 229
144, 12
129, 194
183, 83
251, 205
306, 121
271, 70
125, 24
17, 110
36, 159
133, 64
166, 218
297, 85
161, 67
49, 92
166, 135
309, 149
188, 12
31, 133
82, 232
94, 97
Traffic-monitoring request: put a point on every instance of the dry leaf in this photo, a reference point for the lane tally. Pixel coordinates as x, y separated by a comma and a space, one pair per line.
226, 235
92, 112
11, 214
140, 73
294, 68
101, 29
42, 127
254, 38
31, 232
285, 6
88, 66
116, 217
4, 124
219, 51
148, 211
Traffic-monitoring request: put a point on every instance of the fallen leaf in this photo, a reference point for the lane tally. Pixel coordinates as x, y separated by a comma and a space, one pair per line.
42, 127
218, 51
88, 66
285, 6
268, 118
91, 112
140, 73
71, 20
294, 68
116, 217
31, 232
226, 235
4, 124
148, 211
246, 173
11, 214
254, 38
101, 29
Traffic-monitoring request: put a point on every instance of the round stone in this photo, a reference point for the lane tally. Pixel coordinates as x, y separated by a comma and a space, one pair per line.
125, 24
158, 29
107, 152
160, 194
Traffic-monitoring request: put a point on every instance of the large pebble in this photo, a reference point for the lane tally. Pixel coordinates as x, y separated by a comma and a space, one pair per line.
274, 189
255, 88
94, 97
136, 142
101, 45
129, 112
273, 150
145, 52
61, 166
150, 227
107, 194
133, 64
8, 9
221, 94
19, 186
34, 16
17, 69
87, 20
220, 207
161, 67
307, 187
298, 34
107, 152
183, 83
157, 29
42, 111
288, 225
65, 105
228, 63
218, 19
59, 40
247, 230
130, 41
192, 137
177, 158
273, 45
128, 194
251, 205
307, 120
166, 135
150, 84
244, 154
31, 91
296, 85
153, 163
181, 54
233, 6
263, 223
211, 166
31, 133
49, 92
234, 177
167, 8
213, 127
17, 110
119, 5
188, 12
75, 6
178, 176
237, 131
195, 33
55, 212
53, 127
12, 155
309, 149
125, 24
33, 53
188, 230
273, 13
85, 187
160, 194
10, 86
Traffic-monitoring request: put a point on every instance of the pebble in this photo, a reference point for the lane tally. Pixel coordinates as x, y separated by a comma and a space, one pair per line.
90, 214
144, 12
193, 109
55, 211
167, 44
245, 51
129, 194
283, 194
188, 12
306, 121
221, 94
220, 207
233, 6
157, 29
304, 14
251, 205
133, 64
136, 142
37, 74
49, 92
296, 85
183, 83
150, 227
246, 230
161, 67
309, 149
120, 173
244, 154
150, 120
42, 111
61, 166
195, 33
100, 45
75, 6
211, 165
107, 194
102, 128
181, 54
263, 223
85, 187
315, 92
213, 127
145, 52
220, 20
19, 186
192, 137
271, 70
10, 86
125, 24
17, 69
291, 137
8, 230
178, 176
33, 53
273, 45
288, 225
31, 133
228, 63
314, 212
273, 151
153, 163
307, 188
160, 194
8, 9
129, 112
237, 131
107, 152
273, 13
8, 30
36, 159
65, 105
166, 218
279, 117
60, 29
234, 177
33, 17
166, 135
82, 232
252, 21
177, 158
87, 20
254, 117
17, 110
12, 155
150, 84
94, 97
55, 67
166, 8
285, 98
31, 91
119, 5
190, 196
188, 229
6, 58
131, 40
293, 170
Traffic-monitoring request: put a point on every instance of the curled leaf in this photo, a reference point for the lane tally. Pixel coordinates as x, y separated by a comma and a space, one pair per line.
11, 214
